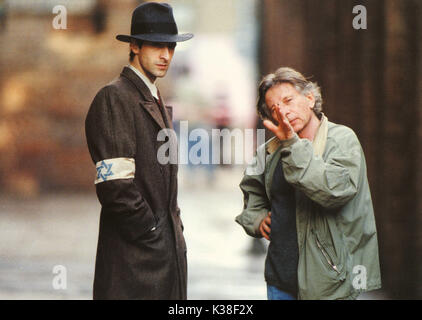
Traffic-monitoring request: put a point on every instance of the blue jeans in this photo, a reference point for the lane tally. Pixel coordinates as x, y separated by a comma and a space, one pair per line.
274, 293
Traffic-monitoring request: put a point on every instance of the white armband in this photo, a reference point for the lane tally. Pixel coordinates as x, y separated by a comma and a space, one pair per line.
117, 168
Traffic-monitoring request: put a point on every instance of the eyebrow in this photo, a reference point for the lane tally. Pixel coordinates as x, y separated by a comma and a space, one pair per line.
284, 98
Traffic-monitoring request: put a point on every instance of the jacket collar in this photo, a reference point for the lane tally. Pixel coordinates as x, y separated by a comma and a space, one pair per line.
321, 137
151, 105
319, 141
151, 86
138, 83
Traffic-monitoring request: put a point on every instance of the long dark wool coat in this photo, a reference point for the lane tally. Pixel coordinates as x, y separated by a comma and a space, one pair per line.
141, 251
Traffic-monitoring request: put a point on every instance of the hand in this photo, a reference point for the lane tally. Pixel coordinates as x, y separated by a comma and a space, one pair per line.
264, 227
284, 129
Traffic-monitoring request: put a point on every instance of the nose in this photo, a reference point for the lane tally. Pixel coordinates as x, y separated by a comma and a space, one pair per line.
165, 53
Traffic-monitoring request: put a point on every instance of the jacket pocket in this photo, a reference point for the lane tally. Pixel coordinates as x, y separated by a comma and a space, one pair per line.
153, 234
329, 258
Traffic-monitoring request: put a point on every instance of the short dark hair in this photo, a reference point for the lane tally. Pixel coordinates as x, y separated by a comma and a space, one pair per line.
131, 54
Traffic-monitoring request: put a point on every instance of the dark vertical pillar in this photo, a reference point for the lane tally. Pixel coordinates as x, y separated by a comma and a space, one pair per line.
400, 145
371, 115
418, 155
282, 36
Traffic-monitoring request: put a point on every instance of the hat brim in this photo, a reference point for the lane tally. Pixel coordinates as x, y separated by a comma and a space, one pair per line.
156, 37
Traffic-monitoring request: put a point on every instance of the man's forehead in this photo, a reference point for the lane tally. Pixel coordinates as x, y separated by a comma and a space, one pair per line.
282, 90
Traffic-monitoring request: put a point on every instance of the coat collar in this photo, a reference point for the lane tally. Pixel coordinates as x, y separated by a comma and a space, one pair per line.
320, 139
138, 83
151, 105
151, 86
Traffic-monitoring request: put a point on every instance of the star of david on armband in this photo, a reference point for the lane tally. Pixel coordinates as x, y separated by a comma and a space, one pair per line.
104, 171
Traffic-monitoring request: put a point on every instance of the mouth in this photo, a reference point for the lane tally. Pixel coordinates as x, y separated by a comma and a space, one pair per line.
162, 66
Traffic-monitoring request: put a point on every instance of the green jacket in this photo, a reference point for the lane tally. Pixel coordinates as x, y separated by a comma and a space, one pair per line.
336, 232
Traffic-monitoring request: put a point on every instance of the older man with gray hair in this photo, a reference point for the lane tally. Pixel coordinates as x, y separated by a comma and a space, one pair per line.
312, 200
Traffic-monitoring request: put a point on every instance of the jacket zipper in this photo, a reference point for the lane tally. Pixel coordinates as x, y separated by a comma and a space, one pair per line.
330, 262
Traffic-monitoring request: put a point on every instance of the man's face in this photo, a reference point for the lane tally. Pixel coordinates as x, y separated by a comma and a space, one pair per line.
295, 106
154, 58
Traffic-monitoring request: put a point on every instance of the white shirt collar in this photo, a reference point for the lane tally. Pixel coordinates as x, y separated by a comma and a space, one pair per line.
151, 86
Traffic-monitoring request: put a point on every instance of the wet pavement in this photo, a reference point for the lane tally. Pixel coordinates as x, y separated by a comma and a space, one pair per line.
37, 235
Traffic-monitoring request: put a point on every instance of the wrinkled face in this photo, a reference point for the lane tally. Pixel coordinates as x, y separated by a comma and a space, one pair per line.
294, 105
154, 58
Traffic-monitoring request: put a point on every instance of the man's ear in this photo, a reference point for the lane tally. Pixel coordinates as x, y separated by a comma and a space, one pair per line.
311, 99
134, 47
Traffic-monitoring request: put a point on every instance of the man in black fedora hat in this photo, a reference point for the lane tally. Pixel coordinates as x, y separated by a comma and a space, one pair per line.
141, 250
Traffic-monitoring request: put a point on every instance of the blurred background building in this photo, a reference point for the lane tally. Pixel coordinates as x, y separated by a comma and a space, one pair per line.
370, 79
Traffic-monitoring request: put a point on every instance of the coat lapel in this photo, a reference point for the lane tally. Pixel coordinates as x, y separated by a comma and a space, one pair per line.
149, 103
152, 106
168, 114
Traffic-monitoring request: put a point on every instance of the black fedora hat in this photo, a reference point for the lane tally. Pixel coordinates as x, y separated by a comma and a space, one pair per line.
152, 21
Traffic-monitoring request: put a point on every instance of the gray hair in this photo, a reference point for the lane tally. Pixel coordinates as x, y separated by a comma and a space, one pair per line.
297, 80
